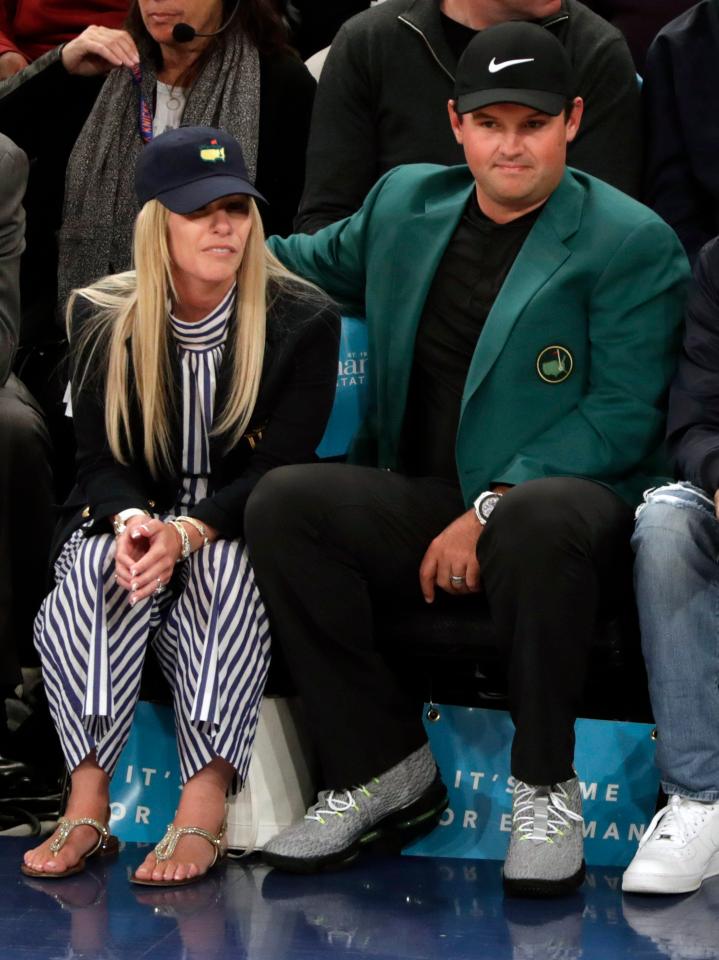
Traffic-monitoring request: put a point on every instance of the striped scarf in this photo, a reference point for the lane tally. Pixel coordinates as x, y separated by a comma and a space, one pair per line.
200, 347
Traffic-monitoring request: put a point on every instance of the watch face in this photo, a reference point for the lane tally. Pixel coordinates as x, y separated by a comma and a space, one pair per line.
487, 505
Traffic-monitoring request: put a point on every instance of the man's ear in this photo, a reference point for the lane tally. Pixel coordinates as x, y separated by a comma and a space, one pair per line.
455, 120
575, 118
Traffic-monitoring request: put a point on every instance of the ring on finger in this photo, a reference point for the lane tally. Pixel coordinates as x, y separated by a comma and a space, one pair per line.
160, 586
457, 581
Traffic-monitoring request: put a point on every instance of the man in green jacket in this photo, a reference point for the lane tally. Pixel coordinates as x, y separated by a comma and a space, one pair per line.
523, 321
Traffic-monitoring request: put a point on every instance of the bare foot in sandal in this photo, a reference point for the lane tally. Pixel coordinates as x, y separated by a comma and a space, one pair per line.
202, 805
89, 799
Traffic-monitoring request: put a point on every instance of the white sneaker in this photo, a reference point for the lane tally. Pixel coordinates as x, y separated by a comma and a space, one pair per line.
679, 849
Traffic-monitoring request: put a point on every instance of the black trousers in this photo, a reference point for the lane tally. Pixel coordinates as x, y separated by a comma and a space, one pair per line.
327, 539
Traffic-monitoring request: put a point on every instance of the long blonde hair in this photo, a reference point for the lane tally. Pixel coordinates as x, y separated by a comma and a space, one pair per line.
135, 305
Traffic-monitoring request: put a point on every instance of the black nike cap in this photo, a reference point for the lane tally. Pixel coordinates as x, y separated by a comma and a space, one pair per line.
514, 62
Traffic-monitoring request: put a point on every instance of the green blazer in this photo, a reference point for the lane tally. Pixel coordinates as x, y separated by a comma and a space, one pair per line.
571, 371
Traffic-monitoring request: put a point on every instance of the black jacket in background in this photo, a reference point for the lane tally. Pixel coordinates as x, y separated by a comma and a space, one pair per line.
693, 421
320, 20
13, 177
681, 106
639, 21
382, 101
294, 402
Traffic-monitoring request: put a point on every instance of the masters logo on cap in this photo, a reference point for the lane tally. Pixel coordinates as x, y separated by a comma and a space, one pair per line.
212, 152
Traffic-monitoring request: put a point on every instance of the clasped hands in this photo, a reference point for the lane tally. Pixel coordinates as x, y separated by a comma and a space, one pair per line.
146, 553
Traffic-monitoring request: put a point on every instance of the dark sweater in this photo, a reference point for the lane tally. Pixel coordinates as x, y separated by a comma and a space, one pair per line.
382, 101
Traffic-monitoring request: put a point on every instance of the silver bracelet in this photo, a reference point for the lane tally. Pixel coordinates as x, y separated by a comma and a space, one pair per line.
184, 539
200, 527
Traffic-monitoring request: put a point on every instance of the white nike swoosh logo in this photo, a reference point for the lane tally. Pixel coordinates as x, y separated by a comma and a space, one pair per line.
496, 67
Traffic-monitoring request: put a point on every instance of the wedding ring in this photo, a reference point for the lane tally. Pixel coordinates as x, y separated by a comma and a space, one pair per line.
456, 581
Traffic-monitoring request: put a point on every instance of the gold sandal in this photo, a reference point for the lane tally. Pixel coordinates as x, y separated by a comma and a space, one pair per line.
106, 844
166, 848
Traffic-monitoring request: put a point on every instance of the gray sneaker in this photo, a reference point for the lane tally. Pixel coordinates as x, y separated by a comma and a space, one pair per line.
400, 805
546, 849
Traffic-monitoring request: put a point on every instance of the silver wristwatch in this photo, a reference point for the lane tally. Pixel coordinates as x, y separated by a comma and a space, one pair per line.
121, 518
485, 504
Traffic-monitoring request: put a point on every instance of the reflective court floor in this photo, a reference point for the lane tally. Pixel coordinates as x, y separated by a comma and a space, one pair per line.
404, 907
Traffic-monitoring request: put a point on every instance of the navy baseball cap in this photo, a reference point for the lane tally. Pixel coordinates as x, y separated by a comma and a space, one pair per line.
514, 62
189, 167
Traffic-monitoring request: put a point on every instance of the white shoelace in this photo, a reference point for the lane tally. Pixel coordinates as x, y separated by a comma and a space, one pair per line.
338, 802
678, 822
541, 816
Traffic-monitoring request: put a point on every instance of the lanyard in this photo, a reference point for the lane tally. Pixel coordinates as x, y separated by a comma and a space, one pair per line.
145, 117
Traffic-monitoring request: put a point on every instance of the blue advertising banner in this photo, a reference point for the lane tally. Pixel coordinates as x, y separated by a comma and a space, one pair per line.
615, 763
145, 790
351, 398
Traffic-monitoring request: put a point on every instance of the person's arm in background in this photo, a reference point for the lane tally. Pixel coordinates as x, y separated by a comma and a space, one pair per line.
671, 187
342, 154
13, 179
7, 15
609, 142
11, 59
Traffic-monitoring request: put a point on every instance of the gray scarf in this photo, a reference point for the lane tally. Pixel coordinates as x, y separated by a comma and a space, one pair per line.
100, 205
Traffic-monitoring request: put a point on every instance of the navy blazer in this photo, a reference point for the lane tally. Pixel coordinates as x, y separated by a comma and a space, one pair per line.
294, 401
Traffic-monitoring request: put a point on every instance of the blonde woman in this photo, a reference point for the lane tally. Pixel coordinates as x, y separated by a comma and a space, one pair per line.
194, 375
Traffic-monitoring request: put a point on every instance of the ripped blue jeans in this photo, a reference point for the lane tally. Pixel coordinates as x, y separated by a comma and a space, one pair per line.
676, 542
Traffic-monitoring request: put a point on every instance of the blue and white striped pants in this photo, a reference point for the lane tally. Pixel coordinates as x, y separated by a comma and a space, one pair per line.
210, 633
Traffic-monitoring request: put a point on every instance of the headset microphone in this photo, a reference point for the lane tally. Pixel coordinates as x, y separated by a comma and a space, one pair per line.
184, 33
